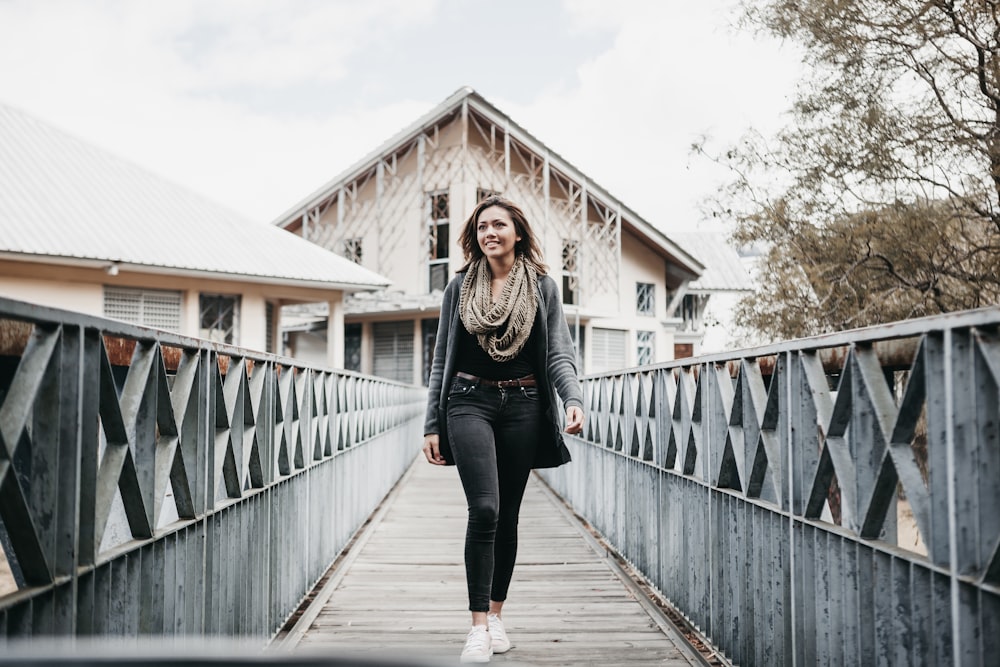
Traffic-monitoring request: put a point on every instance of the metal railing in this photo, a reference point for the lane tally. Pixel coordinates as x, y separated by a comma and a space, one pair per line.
833, 500
154, 484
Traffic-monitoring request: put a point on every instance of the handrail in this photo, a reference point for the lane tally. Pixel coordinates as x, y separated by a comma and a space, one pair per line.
831, 500
157, 484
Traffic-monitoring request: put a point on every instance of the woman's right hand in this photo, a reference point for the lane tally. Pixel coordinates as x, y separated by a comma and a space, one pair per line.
432, 449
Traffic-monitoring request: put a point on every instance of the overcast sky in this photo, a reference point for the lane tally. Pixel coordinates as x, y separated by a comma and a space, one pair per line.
256, 103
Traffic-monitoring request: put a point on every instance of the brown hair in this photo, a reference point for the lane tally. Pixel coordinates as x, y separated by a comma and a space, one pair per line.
527, 246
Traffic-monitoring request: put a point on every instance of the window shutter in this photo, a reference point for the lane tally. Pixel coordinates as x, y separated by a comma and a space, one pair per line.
393, 350
607, 350
150, 308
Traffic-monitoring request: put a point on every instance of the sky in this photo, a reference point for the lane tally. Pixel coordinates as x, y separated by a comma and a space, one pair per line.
256, 103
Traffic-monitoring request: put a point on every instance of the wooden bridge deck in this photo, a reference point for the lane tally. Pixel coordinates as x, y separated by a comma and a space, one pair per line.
400, 590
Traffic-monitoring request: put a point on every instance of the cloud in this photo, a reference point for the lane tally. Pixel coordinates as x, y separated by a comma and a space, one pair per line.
674, 73
275, 44
159, 84
255, 103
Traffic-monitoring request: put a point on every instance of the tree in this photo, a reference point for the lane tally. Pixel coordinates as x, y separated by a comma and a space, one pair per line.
881, 199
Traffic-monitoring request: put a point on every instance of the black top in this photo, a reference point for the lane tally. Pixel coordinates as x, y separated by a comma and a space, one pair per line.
474, 360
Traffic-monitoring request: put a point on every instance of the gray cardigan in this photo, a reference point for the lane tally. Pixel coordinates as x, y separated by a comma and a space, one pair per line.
555, 369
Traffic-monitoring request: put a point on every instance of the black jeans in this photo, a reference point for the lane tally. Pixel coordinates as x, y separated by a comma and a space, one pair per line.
493, 434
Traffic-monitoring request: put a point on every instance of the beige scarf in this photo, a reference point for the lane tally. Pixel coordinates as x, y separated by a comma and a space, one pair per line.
516, 307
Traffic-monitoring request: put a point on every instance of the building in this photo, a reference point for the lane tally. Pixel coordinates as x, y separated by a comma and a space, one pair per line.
84, 230
704, 308
399, 213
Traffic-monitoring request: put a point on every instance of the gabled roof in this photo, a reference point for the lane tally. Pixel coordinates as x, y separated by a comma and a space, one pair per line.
724, 270
687, 265
67, 202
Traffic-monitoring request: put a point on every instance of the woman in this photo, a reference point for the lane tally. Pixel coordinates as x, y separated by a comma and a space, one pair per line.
503, 349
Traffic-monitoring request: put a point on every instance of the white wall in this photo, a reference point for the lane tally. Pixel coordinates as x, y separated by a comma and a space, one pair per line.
82, 290
78, 297
309, 347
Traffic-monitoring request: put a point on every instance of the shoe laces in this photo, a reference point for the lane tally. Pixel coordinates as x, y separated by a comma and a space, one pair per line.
495, 624
478, 639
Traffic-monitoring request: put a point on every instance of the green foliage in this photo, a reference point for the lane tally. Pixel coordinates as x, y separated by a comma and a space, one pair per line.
881, 199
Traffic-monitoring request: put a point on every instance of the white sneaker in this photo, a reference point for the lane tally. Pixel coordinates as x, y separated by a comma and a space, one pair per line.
501, 643
477, 645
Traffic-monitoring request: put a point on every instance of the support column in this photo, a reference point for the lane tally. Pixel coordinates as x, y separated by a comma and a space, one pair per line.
506, 155
583, 240
335, 333
341, 200
253, 322
418, 351
380, 223
367, 349
546, 226
191, 315
465, 131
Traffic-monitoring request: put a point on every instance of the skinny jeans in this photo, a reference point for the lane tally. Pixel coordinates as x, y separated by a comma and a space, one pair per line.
494, 435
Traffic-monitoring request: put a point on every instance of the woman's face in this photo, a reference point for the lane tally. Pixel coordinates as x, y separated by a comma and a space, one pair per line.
496, 233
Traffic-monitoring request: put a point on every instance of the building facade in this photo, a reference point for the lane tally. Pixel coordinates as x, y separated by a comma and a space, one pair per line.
399, 212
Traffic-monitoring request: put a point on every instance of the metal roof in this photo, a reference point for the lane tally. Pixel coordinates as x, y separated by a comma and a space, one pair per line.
467, 95
724, 269
65, 201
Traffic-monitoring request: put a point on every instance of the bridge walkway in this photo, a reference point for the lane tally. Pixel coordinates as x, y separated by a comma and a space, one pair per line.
399, 591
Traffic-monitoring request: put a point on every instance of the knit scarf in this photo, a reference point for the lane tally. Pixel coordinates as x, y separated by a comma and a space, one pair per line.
516, 308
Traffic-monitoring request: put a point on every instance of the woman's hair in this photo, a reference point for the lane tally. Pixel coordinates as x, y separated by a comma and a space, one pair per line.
527, 246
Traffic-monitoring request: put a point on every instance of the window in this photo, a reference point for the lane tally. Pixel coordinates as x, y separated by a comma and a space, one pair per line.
150, 308
439, 205
438, 277
690, 310
394, 350
352, 346
645, 303
607, 350
438, 241
352, 249
571, 272
220, 317
645, 342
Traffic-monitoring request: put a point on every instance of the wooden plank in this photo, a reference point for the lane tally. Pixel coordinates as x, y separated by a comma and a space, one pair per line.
404, 595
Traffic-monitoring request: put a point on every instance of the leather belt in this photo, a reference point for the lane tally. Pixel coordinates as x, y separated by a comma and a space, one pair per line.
526, 381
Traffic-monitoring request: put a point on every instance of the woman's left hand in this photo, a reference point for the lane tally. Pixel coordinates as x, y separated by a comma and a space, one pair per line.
574, 420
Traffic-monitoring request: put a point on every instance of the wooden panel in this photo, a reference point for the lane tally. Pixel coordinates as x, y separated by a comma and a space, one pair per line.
683, 350
404, 593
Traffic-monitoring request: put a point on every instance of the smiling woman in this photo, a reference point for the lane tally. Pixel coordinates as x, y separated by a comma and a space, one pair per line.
502, 356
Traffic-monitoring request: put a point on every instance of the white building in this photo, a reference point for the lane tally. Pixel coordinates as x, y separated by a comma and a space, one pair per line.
704, 308
83, 230
399, 212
